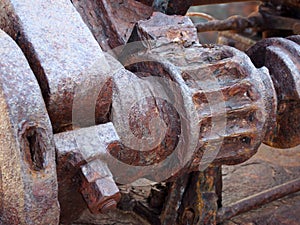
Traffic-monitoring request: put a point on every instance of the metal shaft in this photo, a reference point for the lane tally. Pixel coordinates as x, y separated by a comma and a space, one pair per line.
257, 200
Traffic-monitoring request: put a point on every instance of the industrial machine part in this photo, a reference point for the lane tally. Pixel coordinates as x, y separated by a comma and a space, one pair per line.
28, 170
181, 7
197, 106
285, 73
60, 58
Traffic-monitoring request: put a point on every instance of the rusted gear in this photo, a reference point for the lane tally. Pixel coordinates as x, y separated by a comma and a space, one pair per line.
228, 92
28, 183
214, 105
237, 82
165, 99
208, 78
282, 57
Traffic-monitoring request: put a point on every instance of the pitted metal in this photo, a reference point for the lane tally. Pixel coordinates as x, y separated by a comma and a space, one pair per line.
28, 183
282, 56
112, 21
62, 53
210, 106
98, 187
82, 165
235, 102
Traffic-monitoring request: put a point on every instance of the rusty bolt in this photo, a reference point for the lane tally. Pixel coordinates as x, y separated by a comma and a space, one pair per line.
79, 169
108, 205
98, 187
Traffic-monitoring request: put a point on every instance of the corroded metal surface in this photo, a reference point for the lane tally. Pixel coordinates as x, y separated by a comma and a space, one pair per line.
79, 168
61, 51
281, 57
163, 142
235, 102
98, 187
199, 203
28, 184
173, 200
180, 7
164, 30
192, 199
111, 22
195, 105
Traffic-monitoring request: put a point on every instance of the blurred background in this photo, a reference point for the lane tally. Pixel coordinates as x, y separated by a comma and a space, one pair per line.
221, 11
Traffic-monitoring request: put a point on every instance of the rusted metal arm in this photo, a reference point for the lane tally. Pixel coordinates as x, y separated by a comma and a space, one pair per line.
238, 23
292, 3
259, 21
181, 7
217, 107
211, 2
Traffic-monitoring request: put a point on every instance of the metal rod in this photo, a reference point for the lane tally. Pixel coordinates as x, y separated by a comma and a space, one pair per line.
211, 2
231, 23
258, 199
294, 3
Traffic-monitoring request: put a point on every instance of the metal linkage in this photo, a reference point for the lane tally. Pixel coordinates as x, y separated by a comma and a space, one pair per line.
28, 183
63, 55
203, 105
199, 203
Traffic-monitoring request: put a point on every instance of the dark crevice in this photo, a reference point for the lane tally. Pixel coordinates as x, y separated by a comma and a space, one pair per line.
32, 146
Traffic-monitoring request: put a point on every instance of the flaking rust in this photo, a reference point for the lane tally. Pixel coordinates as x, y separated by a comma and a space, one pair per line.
84, 179
27, 156
216, 108
112, 21
227, 91
64, 62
